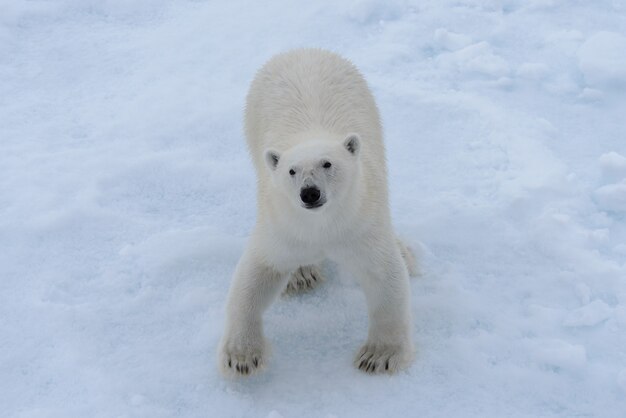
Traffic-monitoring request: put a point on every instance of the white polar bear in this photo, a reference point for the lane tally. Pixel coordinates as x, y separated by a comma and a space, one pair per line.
315, 137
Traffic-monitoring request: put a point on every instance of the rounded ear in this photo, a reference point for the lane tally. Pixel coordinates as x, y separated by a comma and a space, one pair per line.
352, 143
271, 158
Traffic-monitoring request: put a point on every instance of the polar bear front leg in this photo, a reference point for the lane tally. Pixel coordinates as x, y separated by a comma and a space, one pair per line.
243, 349
385, 281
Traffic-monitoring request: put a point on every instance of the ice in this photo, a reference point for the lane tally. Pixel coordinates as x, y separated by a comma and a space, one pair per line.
127, 197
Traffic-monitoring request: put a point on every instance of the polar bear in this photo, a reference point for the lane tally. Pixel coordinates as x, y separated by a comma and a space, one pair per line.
315, 137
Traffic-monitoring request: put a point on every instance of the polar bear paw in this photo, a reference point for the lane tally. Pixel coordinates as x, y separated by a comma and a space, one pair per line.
245, 360
303, 280
383, 358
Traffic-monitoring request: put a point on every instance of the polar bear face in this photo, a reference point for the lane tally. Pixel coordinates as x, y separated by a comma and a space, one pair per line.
316, 174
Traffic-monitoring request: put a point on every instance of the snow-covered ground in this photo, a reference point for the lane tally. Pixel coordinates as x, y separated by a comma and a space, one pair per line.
126, 196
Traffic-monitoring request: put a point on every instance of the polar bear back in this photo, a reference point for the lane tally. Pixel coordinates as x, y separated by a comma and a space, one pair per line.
311, 90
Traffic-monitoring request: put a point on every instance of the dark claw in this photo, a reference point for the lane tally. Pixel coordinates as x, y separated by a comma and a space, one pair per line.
230, 364
255, 361
387, 365
363, 362
238, 368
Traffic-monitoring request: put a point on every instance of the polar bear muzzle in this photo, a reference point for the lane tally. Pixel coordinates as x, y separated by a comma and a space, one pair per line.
311, 197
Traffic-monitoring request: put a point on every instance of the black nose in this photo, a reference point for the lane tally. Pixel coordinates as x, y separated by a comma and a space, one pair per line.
310, 195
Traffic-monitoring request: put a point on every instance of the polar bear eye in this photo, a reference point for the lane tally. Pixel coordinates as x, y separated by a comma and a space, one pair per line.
327, 164
292, 172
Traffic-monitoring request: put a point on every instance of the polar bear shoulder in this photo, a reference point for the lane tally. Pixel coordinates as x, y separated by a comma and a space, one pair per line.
306, 90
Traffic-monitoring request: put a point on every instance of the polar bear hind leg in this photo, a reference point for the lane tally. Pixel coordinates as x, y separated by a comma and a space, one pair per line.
409, 258
302, 280
307, 278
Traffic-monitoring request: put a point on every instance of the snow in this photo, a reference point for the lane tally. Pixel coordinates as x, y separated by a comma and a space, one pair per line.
612, 195
127, 195
621, 380
602, 58
589, 315
450, 40
613, 166
559, 355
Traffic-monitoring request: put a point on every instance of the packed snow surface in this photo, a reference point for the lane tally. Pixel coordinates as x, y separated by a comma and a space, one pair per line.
127, 195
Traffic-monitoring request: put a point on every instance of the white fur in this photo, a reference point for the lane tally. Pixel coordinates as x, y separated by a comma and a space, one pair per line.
305, 108
304, 279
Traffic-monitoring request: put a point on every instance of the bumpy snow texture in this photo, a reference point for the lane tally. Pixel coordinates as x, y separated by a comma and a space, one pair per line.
127, 194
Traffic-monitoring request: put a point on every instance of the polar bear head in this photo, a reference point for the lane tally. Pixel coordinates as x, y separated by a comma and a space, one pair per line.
317, 173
